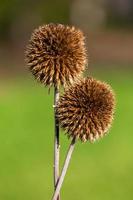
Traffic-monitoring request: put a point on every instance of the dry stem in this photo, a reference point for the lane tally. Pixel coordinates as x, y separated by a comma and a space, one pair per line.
56, 142
64, 170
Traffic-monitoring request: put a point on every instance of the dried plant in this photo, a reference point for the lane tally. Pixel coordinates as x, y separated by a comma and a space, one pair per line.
56, 55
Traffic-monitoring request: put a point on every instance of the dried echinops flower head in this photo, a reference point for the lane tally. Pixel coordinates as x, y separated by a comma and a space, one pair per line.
86, 109
56, 54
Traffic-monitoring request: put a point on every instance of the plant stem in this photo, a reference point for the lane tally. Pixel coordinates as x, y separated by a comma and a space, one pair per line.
64, 170
56, 141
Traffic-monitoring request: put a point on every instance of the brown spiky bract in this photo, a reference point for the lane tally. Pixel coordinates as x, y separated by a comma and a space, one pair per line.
56, 54
86, 109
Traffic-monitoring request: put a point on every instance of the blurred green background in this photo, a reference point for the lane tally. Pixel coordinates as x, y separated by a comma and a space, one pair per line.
97, 171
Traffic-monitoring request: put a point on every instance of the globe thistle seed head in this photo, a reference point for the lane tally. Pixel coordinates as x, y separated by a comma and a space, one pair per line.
86, 109
56, 54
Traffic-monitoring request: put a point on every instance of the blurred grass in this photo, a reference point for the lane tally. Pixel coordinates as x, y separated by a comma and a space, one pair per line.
97, 172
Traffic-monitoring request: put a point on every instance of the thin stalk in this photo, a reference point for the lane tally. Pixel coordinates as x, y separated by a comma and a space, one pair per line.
64, 170
56, 142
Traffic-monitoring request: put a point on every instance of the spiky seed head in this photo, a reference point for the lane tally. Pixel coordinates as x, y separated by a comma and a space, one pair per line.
86, 109
56, 54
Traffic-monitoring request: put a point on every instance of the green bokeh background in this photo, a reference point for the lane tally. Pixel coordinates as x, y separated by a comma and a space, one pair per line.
99, 171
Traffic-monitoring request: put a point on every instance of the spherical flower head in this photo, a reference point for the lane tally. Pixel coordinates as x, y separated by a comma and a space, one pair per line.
86, 109
56, 54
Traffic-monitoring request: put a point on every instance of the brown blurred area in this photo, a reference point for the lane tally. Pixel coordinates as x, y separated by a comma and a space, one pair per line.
109, 28
108, 25
111, 47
